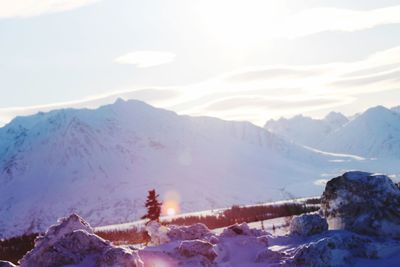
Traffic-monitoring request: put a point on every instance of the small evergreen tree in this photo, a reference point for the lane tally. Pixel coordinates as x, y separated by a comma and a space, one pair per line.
153, 207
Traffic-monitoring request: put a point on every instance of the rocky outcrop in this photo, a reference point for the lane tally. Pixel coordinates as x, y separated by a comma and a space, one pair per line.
308, 224
364, 203
72, 242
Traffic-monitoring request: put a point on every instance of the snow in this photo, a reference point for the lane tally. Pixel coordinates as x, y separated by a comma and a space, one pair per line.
194, 231
192, 248
375, 133
157, 233
49, 161
255, 248
305, 130
372, 134
71, 242
363, 202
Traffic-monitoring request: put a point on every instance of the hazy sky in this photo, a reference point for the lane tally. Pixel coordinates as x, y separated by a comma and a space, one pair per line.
234, 59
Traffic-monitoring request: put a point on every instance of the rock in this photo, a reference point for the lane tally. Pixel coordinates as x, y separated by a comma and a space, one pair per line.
195, 231
364, 203
192, 248
241, 229
158, 233
308, 224
117, 256
335, 251
263, 240
72, 242
6, 264
269, 256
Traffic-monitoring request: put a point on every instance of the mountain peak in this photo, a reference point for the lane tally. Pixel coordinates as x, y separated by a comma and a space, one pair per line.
376, 114
333, 115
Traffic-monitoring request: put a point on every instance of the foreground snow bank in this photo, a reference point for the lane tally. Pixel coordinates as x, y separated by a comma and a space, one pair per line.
366, 206
72, 242
364, 203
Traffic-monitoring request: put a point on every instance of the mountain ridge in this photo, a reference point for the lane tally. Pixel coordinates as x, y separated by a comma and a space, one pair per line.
100, 163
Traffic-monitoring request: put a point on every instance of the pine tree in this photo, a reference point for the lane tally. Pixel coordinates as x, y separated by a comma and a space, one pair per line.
153, 207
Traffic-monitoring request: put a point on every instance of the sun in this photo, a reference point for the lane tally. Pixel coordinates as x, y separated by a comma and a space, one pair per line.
240, 23
171, 205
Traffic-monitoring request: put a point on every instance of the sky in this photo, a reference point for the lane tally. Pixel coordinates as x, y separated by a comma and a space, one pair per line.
234, 59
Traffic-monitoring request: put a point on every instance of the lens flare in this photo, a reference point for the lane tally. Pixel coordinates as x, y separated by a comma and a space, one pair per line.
171, 204
171, 211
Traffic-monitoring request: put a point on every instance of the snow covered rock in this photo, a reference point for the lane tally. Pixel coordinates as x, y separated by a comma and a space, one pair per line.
364, 203
6, 264
241, 229
334, 251
158, 233
192, 248
195, 231
72, 242
308, 224
269, 256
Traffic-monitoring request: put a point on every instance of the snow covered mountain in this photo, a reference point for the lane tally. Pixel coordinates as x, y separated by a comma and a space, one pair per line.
101, 163
396, 109
305, 130
374, 133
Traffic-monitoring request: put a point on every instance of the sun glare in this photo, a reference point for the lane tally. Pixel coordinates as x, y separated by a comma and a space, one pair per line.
240, 22
171, 204
171, 211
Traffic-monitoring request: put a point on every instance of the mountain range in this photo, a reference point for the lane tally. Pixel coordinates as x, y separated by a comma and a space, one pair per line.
100, 163
374, 133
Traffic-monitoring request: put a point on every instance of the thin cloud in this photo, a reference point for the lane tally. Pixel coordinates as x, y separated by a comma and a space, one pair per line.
145, 59
276, 72
318, 20
369, 80
268, 94
265, 92
153, 96
30, 8
272, 103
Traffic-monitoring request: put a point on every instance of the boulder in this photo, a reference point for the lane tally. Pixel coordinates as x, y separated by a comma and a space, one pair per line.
158, 233
308, 224
241, 229
192, 232
268, 255
334, 251
72, 242
364, 203
192, 248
